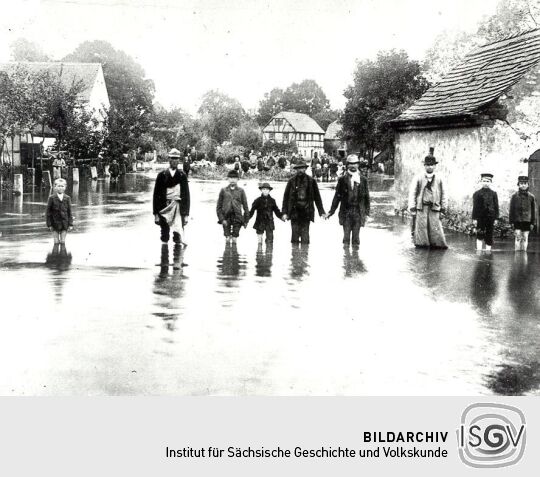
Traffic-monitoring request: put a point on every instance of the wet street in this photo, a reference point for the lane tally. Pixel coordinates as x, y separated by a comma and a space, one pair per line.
118, 314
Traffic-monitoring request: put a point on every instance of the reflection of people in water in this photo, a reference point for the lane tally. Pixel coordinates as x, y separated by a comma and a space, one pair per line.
351, 262
483, 284
299, 260
59, 261
231, 265
263, 260
169, 285
521, 286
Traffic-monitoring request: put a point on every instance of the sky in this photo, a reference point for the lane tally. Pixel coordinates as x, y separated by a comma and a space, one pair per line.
244, 48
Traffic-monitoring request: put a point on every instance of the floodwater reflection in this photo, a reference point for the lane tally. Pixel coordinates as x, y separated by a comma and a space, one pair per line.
484, 286
169, 286
299, 260
263, 260
352, 264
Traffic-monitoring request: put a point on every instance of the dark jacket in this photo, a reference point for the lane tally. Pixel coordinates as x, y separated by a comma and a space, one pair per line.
232, 202
164, 180
59, 212
485, 204
265, 208
114, 169
290, 198
360, 196
522, 208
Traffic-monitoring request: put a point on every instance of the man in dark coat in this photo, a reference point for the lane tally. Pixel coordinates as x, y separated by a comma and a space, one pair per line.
353, 194
485, 212
301, 194
165, 182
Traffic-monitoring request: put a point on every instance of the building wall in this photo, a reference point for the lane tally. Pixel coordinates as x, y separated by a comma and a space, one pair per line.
99, 98
463, 154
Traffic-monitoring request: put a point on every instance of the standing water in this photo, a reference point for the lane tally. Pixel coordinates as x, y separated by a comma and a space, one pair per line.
117, 313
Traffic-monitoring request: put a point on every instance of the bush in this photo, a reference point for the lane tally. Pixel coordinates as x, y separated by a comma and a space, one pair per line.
220, 173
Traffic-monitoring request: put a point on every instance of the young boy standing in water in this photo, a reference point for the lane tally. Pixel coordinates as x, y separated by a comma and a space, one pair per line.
59, 217
232, 208
522, 213
266, 207
485, 212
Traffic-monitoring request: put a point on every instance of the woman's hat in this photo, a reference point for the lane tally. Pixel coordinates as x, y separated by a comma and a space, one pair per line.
430, 160
233, 173
265, 185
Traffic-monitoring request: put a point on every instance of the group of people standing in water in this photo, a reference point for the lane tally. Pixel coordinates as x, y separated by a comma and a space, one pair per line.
171, 204
301, 199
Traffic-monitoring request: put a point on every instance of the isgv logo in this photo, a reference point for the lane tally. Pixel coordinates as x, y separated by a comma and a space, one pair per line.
491, 435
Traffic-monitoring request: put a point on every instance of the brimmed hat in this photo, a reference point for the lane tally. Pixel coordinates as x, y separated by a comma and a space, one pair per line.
233, 173
174, 153
352, 159
265, 185
430, 160
486, 174
523, 179
301, 165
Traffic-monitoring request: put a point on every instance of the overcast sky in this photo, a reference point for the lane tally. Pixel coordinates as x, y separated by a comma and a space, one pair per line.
242, 47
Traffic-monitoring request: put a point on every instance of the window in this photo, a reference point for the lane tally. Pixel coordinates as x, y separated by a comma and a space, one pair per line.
278, 122
272, 136
285, 137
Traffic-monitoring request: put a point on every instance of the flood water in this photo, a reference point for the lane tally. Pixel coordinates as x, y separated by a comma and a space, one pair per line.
118, 314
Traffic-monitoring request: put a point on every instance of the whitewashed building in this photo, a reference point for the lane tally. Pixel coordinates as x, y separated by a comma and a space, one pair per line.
483, 116
93, 96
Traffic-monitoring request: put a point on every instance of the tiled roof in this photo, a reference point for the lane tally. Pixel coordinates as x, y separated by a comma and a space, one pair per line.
333, 130
484, 75
69, 73
300, 122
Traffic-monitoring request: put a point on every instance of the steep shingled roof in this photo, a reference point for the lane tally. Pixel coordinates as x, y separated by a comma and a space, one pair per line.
300, 122
333, 130
484, 75
69, 73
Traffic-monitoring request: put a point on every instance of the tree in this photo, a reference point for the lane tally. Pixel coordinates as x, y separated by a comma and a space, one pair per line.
381, 90
326, 117
173, 128
130, 93
306, 97
219, 114
510, 18
25, 50
270, 106
248, 135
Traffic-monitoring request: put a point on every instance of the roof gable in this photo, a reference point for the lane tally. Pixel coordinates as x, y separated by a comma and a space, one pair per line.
333, 131
484, 74
300, 122
69, 73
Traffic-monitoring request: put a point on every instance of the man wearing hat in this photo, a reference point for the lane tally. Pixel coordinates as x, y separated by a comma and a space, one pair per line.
232, 208
485, 212
301, 193
171, 199
427, 199
266, 207
353, 194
